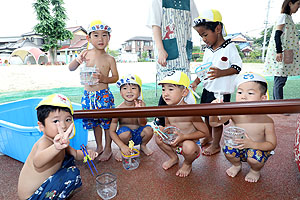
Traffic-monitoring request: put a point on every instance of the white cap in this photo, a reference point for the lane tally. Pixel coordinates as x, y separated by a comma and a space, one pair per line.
249, 76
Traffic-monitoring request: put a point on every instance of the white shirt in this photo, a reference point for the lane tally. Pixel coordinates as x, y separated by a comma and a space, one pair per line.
225, 84
282, 18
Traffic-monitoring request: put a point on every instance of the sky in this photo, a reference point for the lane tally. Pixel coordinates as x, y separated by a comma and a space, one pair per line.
127, 18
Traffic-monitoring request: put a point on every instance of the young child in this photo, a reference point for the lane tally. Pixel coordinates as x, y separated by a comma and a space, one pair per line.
122, 130
49, 170
282, 59
171, 23
260, 138
175, 92
226, 63
98, 96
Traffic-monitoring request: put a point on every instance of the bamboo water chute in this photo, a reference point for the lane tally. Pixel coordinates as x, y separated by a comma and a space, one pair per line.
232, 108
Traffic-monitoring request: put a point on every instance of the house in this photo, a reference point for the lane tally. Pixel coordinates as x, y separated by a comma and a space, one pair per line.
70, 48
11, 43
244, 42
31, 39
138, 45
8, 45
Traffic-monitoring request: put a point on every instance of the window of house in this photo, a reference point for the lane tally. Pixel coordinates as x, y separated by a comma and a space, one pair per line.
147, 43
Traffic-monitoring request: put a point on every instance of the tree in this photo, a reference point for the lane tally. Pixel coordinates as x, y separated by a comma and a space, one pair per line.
242, 55
256, 54
114, 53
51, 27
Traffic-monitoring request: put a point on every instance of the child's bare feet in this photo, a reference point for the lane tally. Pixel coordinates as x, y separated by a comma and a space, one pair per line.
252, 176
118, 156
146, 150
233, 170
205, 141
184, 171
99, 150
105, 156
169, 163
211, 150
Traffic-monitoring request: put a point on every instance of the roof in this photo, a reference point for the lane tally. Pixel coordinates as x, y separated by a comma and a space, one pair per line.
235, 35
31, 33
13, 46
76, 28
10, 39
244, 46
140, 38
78, 45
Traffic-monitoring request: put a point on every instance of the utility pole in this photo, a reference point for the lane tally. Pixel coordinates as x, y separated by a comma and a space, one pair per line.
265, 33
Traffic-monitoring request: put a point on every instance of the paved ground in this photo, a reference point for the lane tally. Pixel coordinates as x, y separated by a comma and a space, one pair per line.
280, 177
208, 180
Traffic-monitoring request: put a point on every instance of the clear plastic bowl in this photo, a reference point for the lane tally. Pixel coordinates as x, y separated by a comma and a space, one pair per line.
132, 161
171, 133
232, 133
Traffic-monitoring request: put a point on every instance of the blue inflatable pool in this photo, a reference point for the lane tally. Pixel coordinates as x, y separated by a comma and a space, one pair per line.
19, 130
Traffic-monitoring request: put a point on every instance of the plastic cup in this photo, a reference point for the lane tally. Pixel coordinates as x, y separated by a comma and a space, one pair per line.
86, 75
132, 161
202, 70
172, 133
219, 96
231, 134
106, 184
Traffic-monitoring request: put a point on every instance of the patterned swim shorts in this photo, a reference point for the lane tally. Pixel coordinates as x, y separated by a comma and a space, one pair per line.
102, 99
243, 154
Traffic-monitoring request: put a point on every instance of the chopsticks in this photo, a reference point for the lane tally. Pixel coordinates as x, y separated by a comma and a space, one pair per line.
87, 158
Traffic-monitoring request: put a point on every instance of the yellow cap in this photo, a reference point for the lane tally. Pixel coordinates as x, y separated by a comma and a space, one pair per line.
98, 25
180, 78
131, 79
58, 100
210, 15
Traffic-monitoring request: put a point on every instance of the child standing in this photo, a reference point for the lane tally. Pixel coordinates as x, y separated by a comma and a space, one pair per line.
175, 91
122, 130
282, 59
49, 170
171, 23
226, 63
98, 96
260, 138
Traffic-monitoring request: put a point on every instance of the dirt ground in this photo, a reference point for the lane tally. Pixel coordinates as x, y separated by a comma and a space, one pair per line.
36, 77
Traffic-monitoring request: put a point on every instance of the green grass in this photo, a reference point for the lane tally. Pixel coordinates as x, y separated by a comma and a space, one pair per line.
291, 91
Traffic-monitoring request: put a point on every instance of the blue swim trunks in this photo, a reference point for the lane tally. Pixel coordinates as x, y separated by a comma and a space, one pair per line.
135, 134
102, 99
243, 154
61, 184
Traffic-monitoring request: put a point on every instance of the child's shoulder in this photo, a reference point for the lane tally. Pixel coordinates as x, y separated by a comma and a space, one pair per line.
108, 57
268, 119
43, 142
